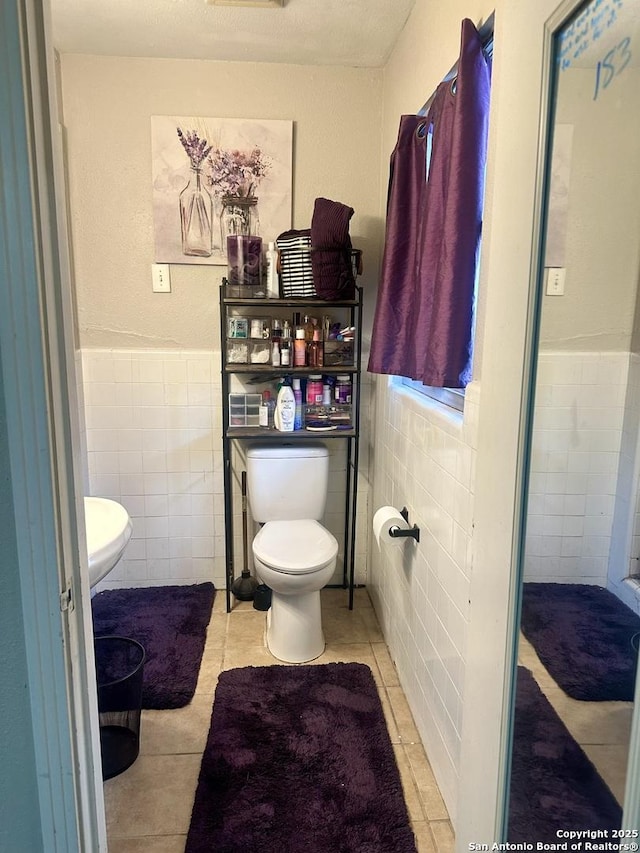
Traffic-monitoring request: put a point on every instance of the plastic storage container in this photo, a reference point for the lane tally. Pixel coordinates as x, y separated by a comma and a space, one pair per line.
343, 389
119, 672
314, 389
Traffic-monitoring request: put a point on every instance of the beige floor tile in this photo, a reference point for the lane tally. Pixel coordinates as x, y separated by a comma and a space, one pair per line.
402, 714
349, 653
430, 796
247, 656
210, 668
392, 728
374, 631
424, 838
220, 602
344, 626
611, 763
386, 666
182, 730
246, 629
443, 836
411, 796
153, 797
216, 632
593, 722
149, 844
336, 598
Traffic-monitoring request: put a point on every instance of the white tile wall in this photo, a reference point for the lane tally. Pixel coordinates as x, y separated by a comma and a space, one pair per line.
423, 457
575, 462
153, 426
624, 554
153, 437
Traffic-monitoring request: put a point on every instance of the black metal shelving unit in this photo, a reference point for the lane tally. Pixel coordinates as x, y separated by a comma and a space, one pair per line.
267, 372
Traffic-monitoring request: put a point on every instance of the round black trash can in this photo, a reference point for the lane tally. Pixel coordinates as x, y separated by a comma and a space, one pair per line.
119, 671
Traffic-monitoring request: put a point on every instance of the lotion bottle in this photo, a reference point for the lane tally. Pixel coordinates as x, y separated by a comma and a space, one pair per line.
285, 409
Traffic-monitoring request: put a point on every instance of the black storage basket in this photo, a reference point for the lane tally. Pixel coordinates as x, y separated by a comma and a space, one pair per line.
119, 673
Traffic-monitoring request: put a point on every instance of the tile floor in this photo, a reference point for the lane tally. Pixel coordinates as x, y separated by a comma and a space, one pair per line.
602, 729
149, 805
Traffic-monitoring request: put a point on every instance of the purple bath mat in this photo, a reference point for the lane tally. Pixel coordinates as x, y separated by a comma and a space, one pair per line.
170, 622
554, 786
298, 758
583, 635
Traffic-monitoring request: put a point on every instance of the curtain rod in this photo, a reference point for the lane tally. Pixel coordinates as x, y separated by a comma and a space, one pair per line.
485, 32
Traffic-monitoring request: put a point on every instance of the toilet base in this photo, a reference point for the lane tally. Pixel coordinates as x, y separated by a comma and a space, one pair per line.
294, 627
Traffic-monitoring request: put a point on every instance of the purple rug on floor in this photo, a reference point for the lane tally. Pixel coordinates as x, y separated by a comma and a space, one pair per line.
171, 623
582, 634
553, 784
298, 758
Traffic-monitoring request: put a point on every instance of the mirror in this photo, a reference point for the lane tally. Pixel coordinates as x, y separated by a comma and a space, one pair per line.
580, 572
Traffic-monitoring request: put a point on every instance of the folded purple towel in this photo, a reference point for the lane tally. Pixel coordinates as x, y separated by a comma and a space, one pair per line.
331, 250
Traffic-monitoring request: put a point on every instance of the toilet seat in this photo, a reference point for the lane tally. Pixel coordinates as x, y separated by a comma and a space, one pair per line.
297, 547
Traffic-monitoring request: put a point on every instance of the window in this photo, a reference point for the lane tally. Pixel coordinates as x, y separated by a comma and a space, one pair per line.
454, 397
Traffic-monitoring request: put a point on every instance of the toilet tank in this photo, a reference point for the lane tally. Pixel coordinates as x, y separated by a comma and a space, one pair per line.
287, 482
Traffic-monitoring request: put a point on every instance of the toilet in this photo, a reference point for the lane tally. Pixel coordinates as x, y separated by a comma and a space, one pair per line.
292, 552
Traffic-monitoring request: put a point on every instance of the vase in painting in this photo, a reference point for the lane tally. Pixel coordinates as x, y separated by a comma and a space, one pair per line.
196, 217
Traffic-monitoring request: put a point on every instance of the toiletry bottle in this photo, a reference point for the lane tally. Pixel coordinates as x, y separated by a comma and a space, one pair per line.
315, 351
299, 349
285, 352
314, 390
343, 389
266, 410
326, 394
271, 263
308, 327
275, 352
285, 409
285, 345
271, 406
297, 395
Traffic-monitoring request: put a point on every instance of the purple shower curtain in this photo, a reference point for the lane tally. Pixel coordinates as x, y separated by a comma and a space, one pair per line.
424, 313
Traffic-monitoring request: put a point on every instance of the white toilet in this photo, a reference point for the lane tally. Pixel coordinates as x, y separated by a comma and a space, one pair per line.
292, 552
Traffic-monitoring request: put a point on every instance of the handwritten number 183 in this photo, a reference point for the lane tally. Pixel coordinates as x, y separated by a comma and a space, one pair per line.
614, 62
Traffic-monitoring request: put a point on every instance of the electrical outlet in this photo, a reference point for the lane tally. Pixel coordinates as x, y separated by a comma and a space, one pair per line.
555, 281
161, 278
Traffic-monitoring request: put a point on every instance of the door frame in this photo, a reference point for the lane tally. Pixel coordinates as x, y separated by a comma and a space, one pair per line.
631, 806
36, 340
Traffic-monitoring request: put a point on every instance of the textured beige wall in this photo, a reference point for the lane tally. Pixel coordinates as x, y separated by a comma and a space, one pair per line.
603, 223
108, 102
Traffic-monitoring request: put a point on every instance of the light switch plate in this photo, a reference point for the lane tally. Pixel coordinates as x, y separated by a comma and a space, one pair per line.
161, 278
555, 281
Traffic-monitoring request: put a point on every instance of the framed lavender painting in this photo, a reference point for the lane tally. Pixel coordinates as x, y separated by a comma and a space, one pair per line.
214, 177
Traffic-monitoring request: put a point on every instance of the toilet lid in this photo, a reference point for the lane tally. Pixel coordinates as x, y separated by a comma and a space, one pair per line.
295, 547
